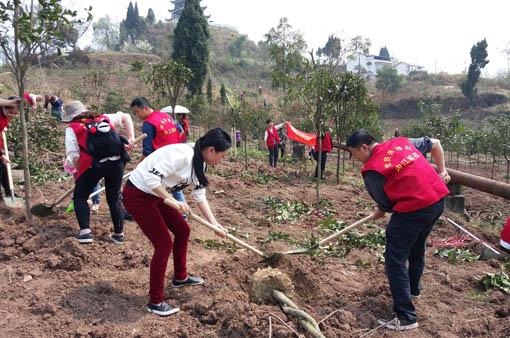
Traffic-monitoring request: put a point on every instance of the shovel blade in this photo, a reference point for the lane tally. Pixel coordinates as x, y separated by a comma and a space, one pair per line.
41, 210
301, 251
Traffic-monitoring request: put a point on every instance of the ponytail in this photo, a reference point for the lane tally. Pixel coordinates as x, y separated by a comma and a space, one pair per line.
216, 138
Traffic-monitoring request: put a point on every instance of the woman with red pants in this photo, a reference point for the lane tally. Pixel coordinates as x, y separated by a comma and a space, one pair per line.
174, 166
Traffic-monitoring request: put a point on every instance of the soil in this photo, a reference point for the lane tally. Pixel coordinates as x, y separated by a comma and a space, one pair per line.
54, 287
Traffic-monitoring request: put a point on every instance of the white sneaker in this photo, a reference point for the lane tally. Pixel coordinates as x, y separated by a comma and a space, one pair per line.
95, 208
398, 325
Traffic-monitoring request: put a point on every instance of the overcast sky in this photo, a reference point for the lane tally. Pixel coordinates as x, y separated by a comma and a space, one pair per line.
437, 34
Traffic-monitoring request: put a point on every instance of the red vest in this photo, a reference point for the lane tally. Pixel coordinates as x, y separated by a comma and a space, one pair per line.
505, 235
4, 122
272, 137
327, 145
81, 135
166, 131
27, 98
411, 182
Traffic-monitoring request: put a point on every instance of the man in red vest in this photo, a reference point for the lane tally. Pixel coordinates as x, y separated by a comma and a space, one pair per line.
401, 181
326, 148
160, 129
272, 141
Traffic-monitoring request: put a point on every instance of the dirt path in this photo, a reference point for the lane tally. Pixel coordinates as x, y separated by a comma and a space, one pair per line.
53, 287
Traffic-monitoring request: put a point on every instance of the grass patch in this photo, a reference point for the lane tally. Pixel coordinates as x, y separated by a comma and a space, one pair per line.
287, 211
456, 256
276, 236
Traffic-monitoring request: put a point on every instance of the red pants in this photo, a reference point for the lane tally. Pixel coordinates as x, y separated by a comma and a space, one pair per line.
155, 218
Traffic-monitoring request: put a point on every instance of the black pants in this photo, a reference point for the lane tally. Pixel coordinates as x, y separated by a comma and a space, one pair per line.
4, 178
324, 157
405, 256
112, 172
282, 149
273, 155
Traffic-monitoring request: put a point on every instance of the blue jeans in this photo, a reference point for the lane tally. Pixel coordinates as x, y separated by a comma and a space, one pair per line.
179, 196
96, 199
406, 235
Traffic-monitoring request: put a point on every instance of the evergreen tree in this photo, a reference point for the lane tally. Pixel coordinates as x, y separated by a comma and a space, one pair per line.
384, 53
191, 43
151, 18
223, 94
209, 91
478, 61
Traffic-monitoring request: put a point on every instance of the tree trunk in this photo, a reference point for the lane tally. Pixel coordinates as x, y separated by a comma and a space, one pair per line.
319, 172
338, 161
507, 170
493, 165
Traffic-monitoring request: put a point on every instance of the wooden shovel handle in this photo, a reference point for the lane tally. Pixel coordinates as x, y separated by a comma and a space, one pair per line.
202, 221
139, 138
347, 229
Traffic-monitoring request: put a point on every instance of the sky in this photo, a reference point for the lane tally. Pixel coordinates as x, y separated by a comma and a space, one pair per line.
437, 34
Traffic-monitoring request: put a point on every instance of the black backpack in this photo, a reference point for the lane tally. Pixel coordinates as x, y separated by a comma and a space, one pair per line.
103, 141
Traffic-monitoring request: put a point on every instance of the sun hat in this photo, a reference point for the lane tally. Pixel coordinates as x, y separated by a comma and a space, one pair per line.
73, 109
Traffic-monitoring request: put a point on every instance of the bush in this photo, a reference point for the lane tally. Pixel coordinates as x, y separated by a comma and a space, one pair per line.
113, 102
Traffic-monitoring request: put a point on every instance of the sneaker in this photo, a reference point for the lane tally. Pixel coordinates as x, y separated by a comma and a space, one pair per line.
162, 309
117, 239
191, 280
84, 239
415, 296
397, 324
95, 208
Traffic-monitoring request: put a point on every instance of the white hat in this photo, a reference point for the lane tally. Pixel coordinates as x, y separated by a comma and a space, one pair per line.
73, 109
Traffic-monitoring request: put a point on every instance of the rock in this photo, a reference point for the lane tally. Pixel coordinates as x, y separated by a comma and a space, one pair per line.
494, 263
43, 309
503, 312
70, 263
345, 317
47, 316
27, 278
52, 261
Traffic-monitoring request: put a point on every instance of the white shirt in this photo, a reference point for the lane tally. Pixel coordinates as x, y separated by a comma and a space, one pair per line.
71, 142
169, 166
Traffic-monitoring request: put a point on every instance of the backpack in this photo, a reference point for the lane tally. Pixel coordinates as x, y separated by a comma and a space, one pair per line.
103, 141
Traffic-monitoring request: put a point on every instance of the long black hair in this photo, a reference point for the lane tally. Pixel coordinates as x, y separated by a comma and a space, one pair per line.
216, 138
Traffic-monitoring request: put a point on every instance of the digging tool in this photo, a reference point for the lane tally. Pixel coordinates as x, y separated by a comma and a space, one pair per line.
12, 202
330, 238
476, 238
42, 210
202, 221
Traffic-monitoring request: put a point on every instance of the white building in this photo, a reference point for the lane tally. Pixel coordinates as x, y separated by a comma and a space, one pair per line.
371, 64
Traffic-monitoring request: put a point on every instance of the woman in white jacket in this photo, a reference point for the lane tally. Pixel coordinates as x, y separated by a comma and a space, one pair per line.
174, 166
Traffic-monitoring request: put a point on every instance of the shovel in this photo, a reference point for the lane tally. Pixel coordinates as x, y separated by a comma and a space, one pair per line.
202, 221
11, 203
42, 210
330, 238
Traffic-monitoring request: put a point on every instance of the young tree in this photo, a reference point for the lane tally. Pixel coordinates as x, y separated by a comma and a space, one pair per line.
237, 46
191, 48
151, 18
223, 94
169, 80
286, 48
106, 34
478, 62
209, 91
388, 81
23, 29
337, 50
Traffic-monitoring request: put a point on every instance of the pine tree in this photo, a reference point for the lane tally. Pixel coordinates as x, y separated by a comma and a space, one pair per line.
151, 18
223, 94
383, 52
209, 91
191, 43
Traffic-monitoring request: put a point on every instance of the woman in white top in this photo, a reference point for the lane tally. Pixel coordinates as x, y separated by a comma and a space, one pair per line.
174, 166
95, 149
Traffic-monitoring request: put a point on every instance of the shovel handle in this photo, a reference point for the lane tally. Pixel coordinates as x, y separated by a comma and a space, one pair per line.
103, 188
347, 229
140, 138
202, 221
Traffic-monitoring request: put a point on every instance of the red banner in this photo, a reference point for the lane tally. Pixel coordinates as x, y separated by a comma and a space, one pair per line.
300, 136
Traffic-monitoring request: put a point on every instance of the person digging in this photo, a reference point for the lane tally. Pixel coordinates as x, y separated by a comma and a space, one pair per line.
173, 166
401, 181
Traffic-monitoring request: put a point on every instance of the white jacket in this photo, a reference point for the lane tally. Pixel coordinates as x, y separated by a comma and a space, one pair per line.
170, 166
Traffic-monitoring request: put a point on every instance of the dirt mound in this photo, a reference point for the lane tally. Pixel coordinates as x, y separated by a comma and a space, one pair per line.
265, 281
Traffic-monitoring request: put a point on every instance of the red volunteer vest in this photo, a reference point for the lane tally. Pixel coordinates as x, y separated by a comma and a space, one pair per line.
411, 182
81, 135
505, 235
27, 98
272, 137
166, 131
4, 122
326, 143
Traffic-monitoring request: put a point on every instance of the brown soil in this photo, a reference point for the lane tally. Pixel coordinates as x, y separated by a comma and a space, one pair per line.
54, 287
